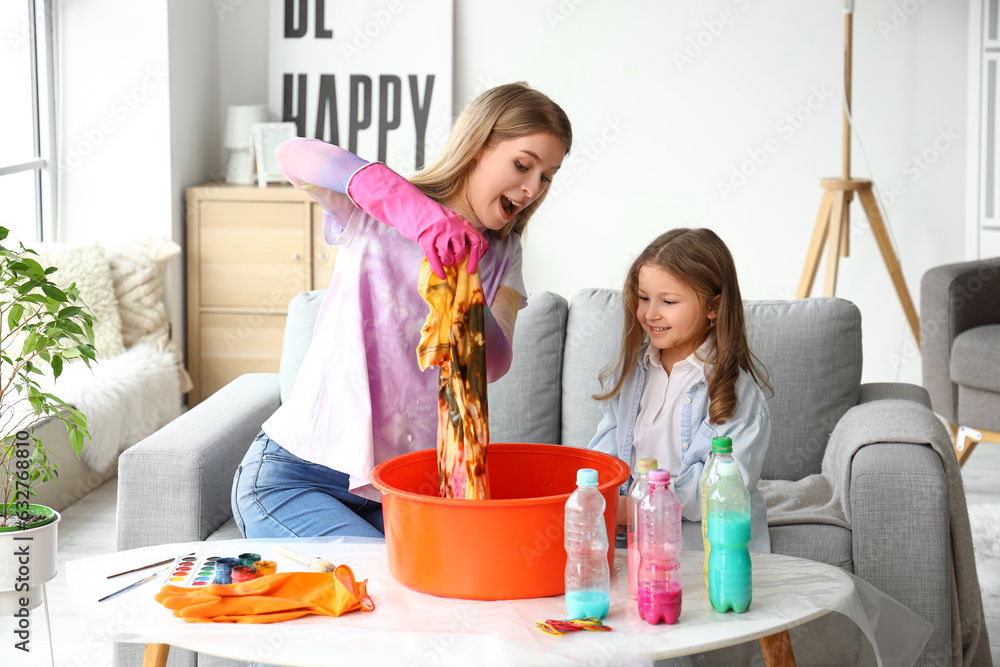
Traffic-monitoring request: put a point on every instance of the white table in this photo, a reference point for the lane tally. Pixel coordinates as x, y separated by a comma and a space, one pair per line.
414, 628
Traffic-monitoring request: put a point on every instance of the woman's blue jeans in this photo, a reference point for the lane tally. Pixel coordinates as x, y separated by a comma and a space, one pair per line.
276, 494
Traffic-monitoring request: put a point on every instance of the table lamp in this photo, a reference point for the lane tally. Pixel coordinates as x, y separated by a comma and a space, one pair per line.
239, 120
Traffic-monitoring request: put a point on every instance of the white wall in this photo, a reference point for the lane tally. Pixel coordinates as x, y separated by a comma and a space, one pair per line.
656, 135
195, 132
653, 139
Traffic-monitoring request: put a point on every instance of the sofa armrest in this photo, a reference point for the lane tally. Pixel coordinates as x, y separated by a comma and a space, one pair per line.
175, 485
879, 391
953, 299
902, 535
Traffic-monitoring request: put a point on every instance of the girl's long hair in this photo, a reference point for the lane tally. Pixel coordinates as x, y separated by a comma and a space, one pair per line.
505, 112
699, 259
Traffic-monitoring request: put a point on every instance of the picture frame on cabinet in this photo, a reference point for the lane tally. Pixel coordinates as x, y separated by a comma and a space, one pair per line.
266, 137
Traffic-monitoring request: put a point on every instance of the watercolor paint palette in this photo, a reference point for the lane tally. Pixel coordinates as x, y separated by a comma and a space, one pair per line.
193, 571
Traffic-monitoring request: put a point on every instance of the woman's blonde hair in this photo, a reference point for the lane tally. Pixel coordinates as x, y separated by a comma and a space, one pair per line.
699, 259
505, 112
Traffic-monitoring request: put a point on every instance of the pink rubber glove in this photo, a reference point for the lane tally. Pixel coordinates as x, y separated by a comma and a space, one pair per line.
444, 236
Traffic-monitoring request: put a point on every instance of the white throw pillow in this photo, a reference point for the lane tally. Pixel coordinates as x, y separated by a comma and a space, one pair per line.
87, 266
137, 274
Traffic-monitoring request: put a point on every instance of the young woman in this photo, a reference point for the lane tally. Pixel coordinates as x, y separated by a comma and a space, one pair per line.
359, 397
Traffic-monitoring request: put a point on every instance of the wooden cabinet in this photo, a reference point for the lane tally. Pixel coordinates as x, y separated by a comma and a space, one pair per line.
249, 251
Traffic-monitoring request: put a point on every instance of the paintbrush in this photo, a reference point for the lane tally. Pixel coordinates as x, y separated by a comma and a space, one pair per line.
316, 564
162, 562
134, 585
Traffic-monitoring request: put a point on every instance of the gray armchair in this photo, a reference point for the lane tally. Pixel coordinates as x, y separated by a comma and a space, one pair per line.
960, 335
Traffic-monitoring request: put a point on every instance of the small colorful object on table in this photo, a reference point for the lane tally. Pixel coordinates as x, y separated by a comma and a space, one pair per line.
266, 567
243, 573
558, 628
190, 571
224, 570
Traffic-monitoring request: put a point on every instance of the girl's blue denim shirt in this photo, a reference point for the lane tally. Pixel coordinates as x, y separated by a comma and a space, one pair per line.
749, 428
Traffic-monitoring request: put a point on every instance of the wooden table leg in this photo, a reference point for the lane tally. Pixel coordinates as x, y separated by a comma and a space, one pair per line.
156, 655
778, 650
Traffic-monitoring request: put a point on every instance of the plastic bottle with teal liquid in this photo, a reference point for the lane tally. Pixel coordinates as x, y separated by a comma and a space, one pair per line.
730, 585
722, 450
588, 578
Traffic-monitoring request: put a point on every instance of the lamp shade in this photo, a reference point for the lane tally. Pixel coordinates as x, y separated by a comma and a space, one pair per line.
238, 121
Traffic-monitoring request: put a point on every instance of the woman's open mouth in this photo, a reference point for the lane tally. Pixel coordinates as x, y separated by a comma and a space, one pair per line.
509, 207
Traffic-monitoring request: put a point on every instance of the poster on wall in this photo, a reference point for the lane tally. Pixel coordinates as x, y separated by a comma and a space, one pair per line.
371, 76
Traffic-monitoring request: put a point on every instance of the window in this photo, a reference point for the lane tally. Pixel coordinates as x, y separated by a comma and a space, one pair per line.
27, 120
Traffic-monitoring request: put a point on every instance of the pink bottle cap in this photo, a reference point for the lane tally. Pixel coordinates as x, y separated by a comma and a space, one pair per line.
659, 476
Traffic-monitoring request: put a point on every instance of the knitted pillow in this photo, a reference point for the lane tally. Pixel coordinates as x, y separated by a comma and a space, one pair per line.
137, 273
87, 266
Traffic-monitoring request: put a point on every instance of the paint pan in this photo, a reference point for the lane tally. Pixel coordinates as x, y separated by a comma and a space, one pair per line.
193, 571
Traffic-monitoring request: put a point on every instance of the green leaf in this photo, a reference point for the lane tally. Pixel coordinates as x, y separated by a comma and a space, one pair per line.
54, 292
70, 311
29, 344
3, 233
34, 267
72, 327
57, 367
76, 440
14, 316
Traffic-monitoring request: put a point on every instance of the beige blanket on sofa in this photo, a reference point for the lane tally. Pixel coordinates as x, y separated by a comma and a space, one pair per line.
826, 498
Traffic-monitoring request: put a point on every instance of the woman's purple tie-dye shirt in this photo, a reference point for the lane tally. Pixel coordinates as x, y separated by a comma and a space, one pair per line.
359, 397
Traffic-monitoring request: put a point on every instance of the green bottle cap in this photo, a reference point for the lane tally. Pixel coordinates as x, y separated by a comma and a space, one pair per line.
645, 464
723, 445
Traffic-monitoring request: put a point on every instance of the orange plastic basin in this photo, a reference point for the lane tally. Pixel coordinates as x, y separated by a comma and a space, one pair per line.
505, 548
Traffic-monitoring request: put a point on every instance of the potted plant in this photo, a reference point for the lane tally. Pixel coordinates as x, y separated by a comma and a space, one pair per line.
42, 327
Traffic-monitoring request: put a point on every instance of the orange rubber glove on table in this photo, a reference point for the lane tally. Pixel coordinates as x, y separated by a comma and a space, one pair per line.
277, 597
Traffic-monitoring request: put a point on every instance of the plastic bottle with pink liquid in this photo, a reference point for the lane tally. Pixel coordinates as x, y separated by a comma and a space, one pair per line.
659, 547
636, 492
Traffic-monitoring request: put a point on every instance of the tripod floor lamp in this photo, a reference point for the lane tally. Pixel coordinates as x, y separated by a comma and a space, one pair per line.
833, 223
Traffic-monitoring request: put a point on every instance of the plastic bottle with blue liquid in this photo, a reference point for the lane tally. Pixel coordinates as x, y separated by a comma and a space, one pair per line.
588, 578
730, 585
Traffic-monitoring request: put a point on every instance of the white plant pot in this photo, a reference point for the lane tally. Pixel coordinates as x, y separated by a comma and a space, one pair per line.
34, 567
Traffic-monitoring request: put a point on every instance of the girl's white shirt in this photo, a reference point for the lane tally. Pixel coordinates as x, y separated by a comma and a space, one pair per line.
658, 428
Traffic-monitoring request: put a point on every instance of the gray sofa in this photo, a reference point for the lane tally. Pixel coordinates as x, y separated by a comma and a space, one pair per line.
176, 483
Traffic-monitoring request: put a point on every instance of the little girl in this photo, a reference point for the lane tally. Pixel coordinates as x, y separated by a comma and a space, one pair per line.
685, 374
359, 397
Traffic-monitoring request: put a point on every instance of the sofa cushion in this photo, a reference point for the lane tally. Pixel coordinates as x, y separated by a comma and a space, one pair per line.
975, 358
593, 336
811, 349
978, 408
525, 404
137, 273
87, 266
228, 531
814, 541
302, 312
